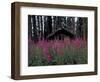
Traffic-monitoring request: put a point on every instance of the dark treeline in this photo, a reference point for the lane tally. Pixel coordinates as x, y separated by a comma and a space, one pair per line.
56, 27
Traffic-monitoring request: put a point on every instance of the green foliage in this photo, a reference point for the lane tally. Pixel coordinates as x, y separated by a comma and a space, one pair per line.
36, 58
71, 55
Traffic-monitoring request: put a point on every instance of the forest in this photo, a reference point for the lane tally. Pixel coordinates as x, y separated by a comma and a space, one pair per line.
53, 27
57, 40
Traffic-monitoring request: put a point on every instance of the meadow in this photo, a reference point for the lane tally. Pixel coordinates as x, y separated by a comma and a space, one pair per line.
57, 52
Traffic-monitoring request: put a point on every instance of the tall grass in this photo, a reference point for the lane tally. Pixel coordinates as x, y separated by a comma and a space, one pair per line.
57, 52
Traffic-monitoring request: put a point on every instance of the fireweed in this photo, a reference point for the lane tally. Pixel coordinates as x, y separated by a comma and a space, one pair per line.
57, 52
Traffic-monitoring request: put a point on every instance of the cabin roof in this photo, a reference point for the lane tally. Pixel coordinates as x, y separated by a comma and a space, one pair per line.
64, 30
